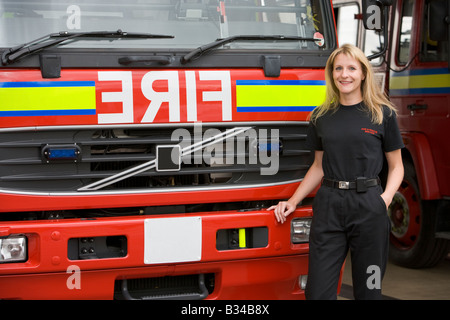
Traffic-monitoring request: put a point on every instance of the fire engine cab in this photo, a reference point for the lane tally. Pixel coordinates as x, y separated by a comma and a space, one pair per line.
142, 141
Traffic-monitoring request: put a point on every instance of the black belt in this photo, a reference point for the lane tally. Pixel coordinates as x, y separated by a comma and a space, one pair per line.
360, 184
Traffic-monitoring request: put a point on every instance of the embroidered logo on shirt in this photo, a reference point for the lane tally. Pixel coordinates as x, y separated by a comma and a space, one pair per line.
371, 131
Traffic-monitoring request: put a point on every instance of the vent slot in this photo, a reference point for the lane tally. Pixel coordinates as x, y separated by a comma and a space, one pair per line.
192, 287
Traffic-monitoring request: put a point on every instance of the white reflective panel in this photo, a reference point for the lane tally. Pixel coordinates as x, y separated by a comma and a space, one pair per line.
171, 240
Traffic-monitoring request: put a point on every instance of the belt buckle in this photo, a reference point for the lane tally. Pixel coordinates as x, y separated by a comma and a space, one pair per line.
344, 185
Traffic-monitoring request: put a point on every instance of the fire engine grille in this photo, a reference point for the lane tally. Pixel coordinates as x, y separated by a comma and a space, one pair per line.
70, 160
192, 287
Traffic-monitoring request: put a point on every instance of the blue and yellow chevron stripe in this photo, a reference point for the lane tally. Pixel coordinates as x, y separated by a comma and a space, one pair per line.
279, 95
47, 98
420, 81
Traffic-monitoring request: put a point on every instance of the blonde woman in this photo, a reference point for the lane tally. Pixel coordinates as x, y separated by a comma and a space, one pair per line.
350, 134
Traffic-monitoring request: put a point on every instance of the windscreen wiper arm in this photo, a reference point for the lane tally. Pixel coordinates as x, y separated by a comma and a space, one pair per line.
219, 42
12, 54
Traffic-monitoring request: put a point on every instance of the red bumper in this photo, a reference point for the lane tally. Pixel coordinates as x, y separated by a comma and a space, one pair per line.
269, 272
265, 278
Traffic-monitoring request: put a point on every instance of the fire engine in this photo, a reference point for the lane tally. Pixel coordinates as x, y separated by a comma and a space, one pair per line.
413, 67
141, 143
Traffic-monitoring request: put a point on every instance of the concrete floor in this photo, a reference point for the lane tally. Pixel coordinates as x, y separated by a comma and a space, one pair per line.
408, 284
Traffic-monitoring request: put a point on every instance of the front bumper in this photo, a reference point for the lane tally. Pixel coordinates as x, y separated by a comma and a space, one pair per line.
268, 272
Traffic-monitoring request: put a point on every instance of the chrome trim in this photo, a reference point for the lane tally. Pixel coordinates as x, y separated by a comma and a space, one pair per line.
144, 191
152, 125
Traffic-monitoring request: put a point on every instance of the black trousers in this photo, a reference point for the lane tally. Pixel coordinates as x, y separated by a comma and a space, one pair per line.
345, 220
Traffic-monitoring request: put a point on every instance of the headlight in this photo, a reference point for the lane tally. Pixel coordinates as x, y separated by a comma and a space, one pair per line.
302, 280
13, 249
300, 228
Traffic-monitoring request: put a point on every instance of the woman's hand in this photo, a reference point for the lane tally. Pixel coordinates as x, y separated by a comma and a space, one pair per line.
387, 200
282, 210
311, 180
395, 175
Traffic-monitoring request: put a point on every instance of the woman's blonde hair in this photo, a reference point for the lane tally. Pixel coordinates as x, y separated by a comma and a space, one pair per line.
373, 97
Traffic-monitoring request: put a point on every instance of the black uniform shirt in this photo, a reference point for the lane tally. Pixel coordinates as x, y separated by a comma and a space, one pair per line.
353, 146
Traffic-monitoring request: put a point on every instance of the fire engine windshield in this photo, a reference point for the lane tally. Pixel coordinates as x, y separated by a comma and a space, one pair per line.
192, 23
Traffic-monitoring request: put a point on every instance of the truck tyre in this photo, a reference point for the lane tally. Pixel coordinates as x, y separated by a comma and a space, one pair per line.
412, 240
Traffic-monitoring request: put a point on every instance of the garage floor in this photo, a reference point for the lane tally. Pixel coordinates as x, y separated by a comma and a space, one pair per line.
407, 284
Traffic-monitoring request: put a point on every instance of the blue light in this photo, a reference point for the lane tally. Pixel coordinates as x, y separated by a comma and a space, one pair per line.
269, 146
62, 154
52, 153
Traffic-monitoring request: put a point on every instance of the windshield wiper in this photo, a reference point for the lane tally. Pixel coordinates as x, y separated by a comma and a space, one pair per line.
12, 54
219, 42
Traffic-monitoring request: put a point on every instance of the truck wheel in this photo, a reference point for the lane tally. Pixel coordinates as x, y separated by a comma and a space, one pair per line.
412, 239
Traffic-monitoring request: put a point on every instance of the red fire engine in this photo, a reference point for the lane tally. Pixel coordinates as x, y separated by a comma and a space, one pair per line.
141, 142
414, 70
